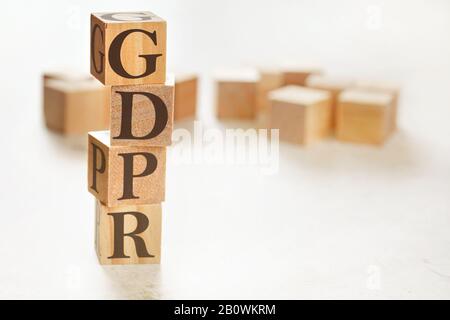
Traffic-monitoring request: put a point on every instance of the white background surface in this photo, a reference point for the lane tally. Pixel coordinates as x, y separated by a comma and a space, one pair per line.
337, 221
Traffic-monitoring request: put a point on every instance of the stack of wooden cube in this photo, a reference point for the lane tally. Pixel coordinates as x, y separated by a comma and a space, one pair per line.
126, 165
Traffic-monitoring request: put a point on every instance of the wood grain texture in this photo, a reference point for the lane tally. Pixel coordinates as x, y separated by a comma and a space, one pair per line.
108, 244
186, 87
75, 107
144, 116
104, 31
236, 100
302, 115
334, 86
364, 117
130, 175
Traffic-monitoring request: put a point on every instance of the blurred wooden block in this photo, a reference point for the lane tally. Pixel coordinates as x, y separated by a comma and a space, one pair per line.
268, 80
185, 96
128, 48
390, 88
334, 86
128, 234
364, 116
297, 75
142, 115
75, 107
237, 94
125, 175
301, 114
66, 75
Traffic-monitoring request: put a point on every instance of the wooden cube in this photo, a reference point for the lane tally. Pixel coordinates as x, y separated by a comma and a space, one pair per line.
364, 116
333, 85
128, 48
380, 86
129, 234
301, 114
67, 75
268, 80
237, 94
75, 107
127, 174
297, 74
185, 96
142, 115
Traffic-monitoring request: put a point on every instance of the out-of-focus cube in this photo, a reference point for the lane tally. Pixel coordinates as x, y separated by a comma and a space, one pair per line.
364, 116
66, 74
301, 114
380, 86
236, 94
269, 79
129, 234
296, 74
142, 115
185, 96
75, 106
333, 85
128, 48
125, 175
